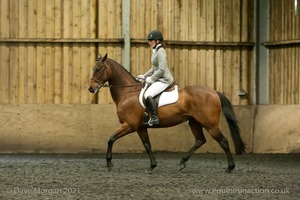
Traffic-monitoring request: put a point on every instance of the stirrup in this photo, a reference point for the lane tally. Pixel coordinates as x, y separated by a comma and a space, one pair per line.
152, 122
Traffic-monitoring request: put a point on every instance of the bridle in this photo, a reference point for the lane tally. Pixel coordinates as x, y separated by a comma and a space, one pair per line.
103, 70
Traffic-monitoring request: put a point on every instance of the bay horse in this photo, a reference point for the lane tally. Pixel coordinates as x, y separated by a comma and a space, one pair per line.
200, 106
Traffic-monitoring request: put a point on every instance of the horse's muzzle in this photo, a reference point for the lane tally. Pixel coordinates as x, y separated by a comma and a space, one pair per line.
91, 89
95, 89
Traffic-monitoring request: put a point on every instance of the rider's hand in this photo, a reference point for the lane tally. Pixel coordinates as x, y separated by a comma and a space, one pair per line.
140, 77
149, 80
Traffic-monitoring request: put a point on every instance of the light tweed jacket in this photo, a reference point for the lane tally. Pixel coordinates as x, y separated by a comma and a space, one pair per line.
160, 70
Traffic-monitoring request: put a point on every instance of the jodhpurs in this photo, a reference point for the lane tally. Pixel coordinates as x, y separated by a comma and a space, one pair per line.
155, 88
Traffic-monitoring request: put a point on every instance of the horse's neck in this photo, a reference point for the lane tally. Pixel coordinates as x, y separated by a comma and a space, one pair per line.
120, 77
121, 82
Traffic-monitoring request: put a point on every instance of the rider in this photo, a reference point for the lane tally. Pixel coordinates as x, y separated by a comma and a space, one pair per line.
159, 76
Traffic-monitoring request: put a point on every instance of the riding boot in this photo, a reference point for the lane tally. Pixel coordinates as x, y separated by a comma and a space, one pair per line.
152, 106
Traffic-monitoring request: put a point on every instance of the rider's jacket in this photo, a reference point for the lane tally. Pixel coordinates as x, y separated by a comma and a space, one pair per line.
159, 70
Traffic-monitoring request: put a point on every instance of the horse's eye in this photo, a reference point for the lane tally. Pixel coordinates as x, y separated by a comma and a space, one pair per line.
95, 69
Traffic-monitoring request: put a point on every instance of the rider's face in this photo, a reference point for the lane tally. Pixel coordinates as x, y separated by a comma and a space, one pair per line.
152, 43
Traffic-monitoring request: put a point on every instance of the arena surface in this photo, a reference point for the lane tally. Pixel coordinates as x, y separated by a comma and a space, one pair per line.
264, 176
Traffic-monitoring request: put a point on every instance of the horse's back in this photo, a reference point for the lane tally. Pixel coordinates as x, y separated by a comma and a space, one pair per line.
200, 93
201, 103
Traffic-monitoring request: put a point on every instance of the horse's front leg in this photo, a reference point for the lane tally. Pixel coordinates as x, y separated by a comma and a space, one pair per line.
122, 131
143, 133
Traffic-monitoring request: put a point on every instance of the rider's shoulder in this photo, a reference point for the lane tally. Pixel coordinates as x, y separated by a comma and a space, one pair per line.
160, 50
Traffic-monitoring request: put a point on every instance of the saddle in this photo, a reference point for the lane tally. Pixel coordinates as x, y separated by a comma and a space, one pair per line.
168, 96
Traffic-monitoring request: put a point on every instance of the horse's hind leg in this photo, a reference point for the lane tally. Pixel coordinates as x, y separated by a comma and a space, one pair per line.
143, 133
197, 131
223, 142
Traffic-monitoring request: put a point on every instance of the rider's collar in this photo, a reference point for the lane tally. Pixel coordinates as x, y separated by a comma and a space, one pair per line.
156, 48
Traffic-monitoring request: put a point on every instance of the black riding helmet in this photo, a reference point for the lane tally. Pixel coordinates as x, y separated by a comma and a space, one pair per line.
155, 35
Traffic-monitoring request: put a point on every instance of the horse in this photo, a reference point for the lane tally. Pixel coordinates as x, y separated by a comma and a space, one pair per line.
199, 105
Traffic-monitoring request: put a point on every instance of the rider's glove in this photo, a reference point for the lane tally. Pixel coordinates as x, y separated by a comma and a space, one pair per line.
149, 80
140, 77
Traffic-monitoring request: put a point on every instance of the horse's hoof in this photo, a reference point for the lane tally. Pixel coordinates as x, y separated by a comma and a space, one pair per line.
182, 166
230, 168
150, 171
109, 167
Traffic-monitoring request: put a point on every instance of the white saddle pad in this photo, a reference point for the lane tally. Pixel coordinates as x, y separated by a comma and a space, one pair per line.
164, 99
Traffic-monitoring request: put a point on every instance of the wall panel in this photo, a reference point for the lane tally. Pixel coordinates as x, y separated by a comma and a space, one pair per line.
49, 47
87, 128
204, 42
44, 55
283, 44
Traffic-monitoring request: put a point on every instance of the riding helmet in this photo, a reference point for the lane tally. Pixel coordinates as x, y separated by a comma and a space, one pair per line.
155, 35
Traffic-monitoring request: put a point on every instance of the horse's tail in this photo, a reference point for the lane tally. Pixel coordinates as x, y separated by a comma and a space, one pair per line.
232, 123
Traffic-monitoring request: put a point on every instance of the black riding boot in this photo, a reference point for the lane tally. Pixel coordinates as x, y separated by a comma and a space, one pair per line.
152, 106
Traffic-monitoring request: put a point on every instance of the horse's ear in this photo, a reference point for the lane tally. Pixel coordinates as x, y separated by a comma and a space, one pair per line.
99, 57
104, 58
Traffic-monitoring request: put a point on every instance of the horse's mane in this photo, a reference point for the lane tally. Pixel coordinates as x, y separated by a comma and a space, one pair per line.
120, 66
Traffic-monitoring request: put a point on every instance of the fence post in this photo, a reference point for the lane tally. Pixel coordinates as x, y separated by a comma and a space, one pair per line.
261, 52
126, 34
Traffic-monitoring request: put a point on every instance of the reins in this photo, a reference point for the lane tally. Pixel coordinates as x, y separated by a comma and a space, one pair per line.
115, 86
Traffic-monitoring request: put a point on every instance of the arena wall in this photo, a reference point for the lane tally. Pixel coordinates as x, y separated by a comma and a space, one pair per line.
86, 129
